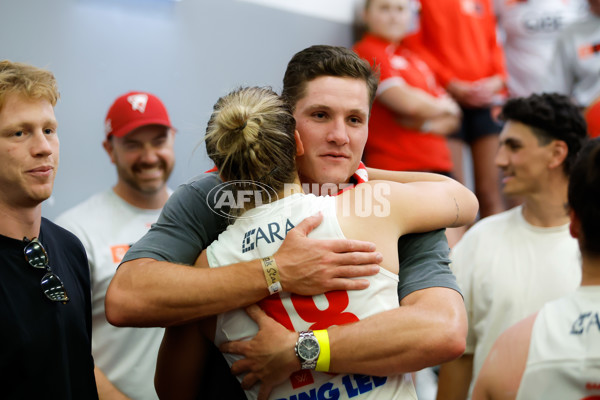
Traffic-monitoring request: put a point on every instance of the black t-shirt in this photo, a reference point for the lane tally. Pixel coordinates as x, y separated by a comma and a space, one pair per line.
46, 346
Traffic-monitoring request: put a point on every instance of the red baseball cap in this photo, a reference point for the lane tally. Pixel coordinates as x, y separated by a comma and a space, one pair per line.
133, 110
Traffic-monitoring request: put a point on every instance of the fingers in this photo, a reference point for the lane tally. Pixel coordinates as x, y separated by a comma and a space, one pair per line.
354, 271
241, 366
347, 246
450, 106
357, 258
341, 277
235, 347
264, 391
256, 313
348, 284
249, 380
309, 223
244, 366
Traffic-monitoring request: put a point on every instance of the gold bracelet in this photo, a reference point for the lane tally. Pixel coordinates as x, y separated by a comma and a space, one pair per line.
325, 354
271, 274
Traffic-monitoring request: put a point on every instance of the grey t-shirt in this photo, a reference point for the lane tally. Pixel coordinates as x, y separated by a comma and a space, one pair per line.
187, 225
574, 67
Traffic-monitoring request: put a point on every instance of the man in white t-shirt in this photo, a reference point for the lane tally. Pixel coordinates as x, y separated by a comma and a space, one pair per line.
139, 141
555, 353
510, 264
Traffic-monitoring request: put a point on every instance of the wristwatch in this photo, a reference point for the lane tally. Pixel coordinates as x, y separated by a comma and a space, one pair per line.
307, 350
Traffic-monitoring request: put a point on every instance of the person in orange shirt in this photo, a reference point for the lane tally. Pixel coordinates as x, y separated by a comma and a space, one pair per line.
457, 39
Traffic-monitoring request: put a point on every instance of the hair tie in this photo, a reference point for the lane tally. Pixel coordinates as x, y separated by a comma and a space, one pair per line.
242, 127
268, 173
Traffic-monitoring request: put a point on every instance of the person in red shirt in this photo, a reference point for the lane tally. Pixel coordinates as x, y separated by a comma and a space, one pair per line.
412, 113
592, 118
457, 39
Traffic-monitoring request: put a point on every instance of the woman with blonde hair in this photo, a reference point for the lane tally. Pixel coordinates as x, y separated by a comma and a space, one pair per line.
251, 138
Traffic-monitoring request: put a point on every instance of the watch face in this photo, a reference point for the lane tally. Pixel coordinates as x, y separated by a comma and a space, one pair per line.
308, 349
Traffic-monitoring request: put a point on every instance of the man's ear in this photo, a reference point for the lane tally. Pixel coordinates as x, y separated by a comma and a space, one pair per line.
299, 145
109, 148
575, 225
560, 150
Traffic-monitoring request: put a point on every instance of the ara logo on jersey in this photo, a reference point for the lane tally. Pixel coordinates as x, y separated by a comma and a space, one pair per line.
266, 234
586, 322
138, 102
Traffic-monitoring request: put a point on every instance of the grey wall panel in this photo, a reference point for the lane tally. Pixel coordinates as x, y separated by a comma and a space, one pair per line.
188, 53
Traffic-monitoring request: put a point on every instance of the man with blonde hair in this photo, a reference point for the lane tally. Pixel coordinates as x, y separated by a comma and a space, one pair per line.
44, 279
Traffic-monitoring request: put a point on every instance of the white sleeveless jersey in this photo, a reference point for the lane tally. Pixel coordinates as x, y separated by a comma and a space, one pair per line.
564, 354
259, 233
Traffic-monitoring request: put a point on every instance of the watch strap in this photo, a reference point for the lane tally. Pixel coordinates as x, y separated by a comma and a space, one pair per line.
306, 364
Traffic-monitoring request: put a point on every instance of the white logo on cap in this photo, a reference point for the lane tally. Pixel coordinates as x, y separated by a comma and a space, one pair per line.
108, 126
138, 102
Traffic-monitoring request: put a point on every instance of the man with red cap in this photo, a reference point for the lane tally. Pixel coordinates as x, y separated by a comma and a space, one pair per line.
139, 141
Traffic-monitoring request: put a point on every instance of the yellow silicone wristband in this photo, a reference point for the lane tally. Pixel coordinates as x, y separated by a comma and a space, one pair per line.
325, 355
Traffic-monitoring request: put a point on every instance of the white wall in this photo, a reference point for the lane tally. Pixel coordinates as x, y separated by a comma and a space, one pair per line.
188, 53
